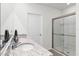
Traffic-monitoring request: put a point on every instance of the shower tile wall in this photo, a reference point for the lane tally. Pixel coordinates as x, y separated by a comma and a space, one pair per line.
58, 26
58, 42
69, 25
64, 35
69, 45
58, 34
69, 35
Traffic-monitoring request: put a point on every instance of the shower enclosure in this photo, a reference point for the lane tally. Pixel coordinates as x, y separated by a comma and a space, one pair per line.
64, 34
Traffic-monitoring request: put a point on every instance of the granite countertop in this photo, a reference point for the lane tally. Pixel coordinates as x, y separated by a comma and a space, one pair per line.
36, 51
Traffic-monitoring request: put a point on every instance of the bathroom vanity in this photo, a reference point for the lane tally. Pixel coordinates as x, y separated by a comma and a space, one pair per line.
27, 47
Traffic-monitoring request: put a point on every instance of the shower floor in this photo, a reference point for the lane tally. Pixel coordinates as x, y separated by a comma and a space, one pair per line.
56, 52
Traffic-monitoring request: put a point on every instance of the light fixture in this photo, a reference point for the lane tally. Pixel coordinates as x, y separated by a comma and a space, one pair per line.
68, 3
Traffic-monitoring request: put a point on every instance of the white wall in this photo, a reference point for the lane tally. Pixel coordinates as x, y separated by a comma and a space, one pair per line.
15, 16
77, 29
68, 10
0, 18
9, 17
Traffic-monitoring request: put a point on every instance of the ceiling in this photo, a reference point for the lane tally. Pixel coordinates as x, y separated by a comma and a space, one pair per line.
58, 5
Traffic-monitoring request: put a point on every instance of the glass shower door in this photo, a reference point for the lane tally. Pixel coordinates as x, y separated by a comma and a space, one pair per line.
58, 31
64, 35
70, 35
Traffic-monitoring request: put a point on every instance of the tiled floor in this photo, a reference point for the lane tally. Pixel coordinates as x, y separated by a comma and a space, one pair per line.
55, 53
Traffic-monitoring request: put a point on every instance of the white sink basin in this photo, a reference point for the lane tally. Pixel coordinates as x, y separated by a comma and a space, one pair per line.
21, 49
24, 46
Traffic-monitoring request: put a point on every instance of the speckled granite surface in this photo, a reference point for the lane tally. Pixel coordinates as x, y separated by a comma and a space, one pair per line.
36, 51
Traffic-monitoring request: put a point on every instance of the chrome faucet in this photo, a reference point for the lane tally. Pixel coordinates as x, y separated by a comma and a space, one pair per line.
15, 40
1, 44
4, 39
